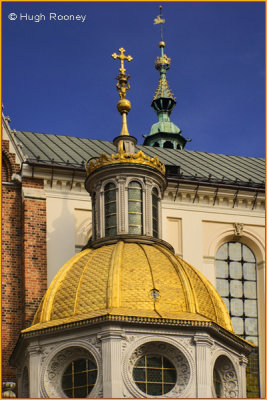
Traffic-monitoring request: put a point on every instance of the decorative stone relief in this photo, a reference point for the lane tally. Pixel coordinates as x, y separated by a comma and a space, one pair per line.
45, 352
228, 377
186, 342
57, 363
94, 341
126, 341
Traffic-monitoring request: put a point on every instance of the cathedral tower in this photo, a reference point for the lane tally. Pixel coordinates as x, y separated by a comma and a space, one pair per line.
164, 133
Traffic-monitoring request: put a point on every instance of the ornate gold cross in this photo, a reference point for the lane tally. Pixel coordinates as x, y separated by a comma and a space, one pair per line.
122, 57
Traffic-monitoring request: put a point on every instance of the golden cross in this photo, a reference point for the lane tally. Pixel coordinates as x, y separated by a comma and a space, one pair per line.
122, 57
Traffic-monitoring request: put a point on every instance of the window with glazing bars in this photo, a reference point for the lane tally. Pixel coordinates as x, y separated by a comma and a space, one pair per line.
155, 212
110, 209
154, 374
135, 208
236, 282
79, 378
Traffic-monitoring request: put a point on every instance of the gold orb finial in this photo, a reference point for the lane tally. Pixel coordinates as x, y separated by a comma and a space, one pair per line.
122, 86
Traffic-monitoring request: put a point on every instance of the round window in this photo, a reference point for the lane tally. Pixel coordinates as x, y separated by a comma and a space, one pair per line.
79, 378
154, 374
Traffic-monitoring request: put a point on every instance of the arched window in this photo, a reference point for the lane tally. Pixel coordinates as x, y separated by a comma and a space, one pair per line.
236, 282
168, 145
156, 144
154, 374
110, 209
158, 368
79, 378
135, 208
155, 212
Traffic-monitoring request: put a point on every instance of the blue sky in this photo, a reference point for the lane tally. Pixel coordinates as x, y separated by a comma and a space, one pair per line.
59, 76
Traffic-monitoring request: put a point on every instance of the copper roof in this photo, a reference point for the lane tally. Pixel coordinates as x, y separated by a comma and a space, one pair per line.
69, 151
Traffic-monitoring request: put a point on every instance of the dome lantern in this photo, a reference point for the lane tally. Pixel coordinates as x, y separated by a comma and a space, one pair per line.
127, 187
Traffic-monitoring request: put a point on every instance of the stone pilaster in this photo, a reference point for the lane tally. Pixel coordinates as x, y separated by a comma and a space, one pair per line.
101, 214
111, 358
34, 352
121, 204
243, 361
204, 378
148, 207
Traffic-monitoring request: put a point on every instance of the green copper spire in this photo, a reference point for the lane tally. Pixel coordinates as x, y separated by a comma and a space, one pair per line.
164, 133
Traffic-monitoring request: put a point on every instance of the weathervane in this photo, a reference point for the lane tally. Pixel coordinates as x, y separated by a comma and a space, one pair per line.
124, 105
161, 21
162, 63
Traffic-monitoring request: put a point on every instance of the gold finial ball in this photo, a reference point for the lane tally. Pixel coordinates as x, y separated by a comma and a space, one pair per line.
124, 105
161, 44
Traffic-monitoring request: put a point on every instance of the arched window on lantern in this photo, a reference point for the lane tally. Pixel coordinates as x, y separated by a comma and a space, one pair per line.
135, 208
110, 209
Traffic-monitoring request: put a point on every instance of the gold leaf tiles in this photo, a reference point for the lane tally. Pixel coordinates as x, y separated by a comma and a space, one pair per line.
129, 280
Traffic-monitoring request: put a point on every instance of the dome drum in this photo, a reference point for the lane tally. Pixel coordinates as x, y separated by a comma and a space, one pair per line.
126, 200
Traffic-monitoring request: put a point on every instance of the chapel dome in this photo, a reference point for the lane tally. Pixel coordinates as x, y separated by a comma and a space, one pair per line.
130, 280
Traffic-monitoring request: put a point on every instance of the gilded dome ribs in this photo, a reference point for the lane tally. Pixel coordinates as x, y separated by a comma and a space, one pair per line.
51, 292
153, 282
113, 285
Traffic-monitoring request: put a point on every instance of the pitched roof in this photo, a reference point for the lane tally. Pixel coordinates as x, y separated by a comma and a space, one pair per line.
72, 151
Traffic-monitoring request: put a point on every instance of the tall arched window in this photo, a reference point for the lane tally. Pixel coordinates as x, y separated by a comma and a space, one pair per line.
110, 209
135, 208
236, 282
155, 212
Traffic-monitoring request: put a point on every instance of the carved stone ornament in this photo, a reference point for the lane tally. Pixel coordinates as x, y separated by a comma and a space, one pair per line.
57, 363
184, 367
238, 229
228, 378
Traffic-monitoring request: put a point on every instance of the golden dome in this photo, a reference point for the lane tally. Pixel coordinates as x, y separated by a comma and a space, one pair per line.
130, 280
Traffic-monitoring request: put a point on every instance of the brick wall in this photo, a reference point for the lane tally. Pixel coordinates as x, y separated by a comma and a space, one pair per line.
24, 265
34, 250
12, 288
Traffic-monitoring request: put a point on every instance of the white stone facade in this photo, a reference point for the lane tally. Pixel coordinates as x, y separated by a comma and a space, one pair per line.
115, 348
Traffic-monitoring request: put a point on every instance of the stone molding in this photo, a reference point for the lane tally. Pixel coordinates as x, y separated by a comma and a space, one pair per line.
33, 194
209, 197
203, 339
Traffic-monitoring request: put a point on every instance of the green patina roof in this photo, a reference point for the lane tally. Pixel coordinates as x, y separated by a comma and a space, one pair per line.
164, 126
163, 90
74, 151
